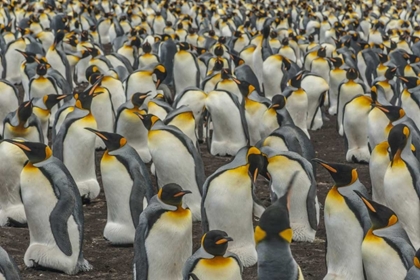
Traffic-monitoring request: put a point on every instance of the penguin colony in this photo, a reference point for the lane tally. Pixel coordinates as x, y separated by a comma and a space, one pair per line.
148, 81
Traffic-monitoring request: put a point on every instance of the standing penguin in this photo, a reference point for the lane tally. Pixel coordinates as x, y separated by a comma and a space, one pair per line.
173, 153
273, 236
54, 212
238, 203
414, 272
164, 226
23, 123
346, 222
58, 59
8, 267
121, 166
386, 249
403, 172
212, 260
186, 70
337, 76
378, 164
75, 146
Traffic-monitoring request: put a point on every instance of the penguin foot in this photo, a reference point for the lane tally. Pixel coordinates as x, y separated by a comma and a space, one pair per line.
85, 199
13, 223
84, 265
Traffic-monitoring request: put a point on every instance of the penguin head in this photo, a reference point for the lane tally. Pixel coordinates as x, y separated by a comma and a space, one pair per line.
84, 99
113, 141
29, 57
410, 82
41, 69
135, 42
94, 52
225, 74
273, 34
342, 174
59, 36
35, 151
215, 242
160, 74
218, 65
244, 87
24, 111
148, 120
383, 58
322, 52
278, 102
92, 69
146, 47
51, 100
218, 50
285, 41
172, 194
352, 74
380, 215
137, 99
184, 46
297, 80
257, 162
390, 73
417, 259
274, 223
397, 139
336, 61
393, 113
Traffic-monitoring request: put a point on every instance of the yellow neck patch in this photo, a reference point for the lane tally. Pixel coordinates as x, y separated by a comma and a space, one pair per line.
287, 235
259, 234
217, 261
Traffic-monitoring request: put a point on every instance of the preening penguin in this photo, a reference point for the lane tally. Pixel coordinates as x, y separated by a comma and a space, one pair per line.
164, 226
8, 267
173, 153
127, 186
386, 249
414, 272
11, 207
273, 236
276, 116
22, 123
75, 146
212, 260
403, 171
346, 222
229, 202
53, 210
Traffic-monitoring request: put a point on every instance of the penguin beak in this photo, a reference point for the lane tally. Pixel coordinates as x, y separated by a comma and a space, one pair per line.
224, 240
274, 106
366, 202
96, 84
100, 135
139, 115
158, 83
182, 193
381, 108
403, 79
325, 165
20, 145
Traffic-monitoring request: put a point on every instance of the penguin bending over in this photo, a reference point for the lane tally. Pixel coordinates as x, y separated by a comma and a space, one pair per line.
127, 186
164, 226
212, 260
54, 212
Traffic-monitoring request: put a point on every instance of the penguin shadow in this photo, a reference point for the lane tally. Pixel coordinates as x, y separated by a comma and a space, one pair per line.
128, 245
38, 267
15, 224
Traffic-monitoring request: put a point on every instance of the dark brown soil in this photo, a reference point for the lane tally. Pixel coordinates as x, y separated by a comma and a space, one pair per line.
111, 262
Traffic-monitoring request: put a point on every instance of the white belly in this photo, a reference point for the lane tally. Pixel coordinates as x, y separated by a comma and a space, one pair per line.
41, 88
30, 134
228, 271
185, 72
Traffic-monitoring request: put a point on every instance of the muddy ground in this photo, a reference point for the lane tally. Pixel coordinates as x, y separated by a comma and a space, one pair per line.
112, 262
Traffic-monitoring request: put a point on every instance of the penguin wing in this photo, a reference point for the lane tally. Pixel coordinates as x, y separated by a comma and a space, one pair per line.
192, 262
146, 221
8, 266
124, 106
397, 238
34, 121
242, 114
244, 73
356, 205
11, 119
125, 61
61, 135
236, 258
415, 95
200, 177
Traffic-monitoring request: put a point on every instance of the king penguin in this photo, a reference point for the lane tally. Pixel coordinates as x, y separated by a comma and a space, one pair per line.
127, 186
346, 221
23, 123
403, 172
75, 146
186, 70
386, 249
378, 164
238, 204
173, 153
414, 272
164, 226
273, 236
212, 260
337, 76
54, 212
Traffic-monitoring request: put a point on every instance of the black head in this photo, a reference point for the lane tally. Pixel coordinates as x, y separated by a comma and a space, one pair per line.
393, 113
343, 175
92, 69
390, 73
380, 215
29, 57
278, 102
160, 73
94, 52
35, 151
146, 47
58, 37
352, 74
244, 87
137, 99
172, 194
41, 69
51, 100
113, 141
135, 42
410, 82
225, 74
215, 242
285, 41
148, 120
297, 80
336, 61
184, 46
24, 111
84, 99
218, 65
383, 58
322, 52
257, 162
219, 51
397, 139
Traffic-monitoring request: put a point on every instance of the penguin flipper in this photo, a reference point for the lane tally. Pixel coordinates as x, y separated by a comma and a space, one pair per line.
192, 262
234, 256
8, 266
34, 121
